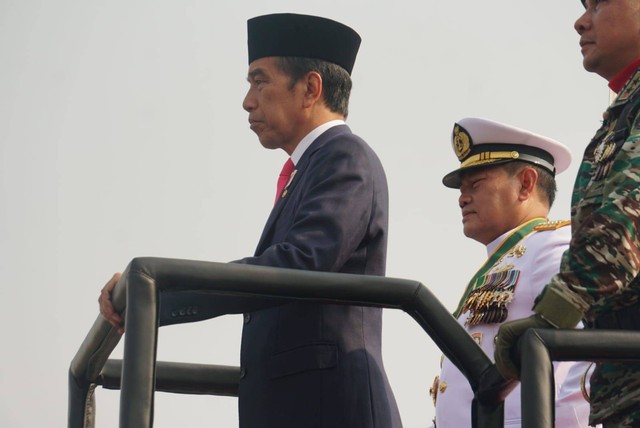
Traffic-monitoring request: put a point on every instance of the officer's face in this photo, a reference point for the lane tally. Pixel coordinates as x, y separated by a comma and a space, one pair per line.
609, 35
275, 108
489, 203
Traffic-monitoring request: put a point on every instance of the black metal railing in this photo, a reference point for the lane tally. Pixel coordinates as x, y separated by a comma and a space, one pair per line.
538, 348
154, 292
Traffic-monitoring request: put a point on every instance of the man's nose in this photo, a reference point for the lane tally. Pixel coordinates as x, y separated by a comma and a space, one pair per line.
463, 200
582, 23
249, 102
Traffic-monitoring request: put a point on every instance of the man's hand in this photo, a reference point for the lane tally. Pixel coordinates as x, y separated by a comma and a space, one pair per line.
106, 306
507, 337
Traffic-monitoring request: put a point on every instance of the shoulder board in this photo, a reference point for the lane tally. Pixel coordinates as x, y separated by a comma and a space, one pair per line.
552, 225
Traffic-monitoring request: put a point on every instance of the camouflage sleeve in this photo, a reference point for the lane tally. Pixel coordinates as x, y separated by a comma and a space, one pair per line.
604, 254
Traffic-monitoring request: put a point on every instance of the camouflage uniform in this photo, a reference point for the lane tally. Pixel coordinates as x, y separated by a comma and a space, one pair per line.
600, 271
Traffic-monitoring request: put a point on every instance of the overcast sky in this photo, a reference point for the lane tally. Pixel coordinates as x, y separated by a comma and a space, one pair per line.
122, 135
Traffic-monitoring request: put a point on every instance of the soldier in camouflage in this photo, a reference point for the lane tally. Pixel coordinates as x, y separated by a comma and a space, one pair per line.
599, 279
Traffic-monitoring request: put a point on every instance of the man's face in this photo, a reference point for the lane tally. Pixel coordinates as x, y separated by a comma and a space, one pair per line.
275, 108
489, 203
609, 35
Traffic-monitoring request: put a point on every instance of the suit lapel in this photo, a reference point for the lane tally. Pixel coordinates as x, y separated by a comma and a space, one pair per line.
301, 167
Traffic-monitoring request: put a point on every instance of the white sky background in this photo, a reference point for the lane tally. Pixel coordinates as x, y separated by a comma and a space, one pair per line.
122, 135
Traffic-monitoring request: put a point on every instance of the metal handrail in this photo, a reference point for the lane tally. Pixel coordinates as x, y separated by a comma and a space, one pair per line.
539, 347
181, 378
148, 280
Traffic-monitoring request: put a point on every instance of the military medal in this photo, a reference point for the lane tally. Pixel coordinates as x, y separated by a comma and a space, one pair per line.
604, 150
488, 302
477, 337
603, 156
491, 288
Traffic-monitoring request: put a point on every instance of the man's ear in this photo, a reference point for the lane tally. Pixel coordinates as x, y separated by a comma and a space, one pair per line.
528, 180
313, 88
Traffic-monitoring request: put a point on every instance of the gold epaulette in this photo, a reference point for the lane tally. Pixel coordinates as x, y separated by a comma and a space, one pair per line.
552, 225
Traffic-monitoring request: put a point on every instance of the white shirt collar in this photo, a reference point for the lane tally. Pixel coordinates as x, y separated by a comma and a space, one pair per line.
311, 137
491, 246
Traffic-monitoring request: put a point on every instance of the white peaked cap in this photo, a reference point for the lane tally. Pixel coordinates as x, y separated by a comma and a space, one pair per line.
481, 142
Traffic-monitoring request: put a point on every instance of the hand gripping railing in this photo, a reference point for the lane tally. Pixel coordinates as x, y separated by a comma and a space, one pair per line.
539, 347
206, 289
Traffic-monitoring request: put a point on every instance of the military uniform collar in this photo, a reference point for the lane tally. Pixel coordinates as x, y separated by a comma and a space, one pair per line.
619, 80
629, 90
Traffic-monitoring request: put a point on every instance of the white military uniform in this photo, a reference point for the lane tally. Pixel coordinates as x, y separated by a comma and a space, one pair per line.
537, 258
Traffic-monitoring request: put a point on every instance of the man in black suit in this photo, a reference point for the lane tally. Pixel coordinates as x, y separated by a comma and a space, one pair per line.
306, 364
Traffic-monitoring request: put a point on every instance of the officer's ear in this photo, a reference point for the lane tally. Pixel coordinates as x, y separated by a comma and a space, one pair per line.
528, 180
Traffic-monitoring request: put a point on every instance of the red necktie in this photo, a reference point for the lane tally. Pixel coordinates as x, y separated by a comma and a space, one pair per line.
283, 179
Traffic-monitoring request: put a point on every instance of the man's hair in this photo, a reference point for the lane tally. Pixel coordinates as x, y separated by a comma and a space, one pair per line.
546, 184
336, 82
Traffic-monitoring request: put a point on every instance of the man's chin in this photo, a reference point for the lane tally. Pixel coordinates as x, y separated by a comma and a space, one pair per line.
589, 64
467, 232
267, 144
475, 233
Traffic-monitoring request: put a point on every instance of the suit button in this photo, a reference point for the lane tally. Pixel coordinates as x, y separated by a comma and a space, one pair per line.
247, 318
243, 372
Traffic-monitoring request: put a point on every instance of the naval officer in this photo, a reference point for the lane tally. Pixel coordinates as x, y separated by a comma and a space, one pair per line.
507, 186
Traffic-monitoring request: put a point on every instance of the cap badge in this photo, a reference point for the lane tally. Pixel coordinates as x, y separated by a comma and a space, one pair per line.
461, 142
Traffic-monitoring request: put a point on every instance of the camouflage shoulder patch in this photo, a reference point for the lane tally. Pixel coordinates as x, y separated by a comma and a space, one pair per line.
552, 225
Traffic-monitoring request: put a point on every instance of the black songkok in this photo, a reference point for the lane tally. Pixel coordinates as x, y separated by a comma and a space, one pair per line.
287, 34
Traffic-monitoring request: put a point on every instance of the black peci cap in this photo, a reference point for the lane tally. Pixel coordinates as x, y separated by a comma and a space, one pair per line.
287, 34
